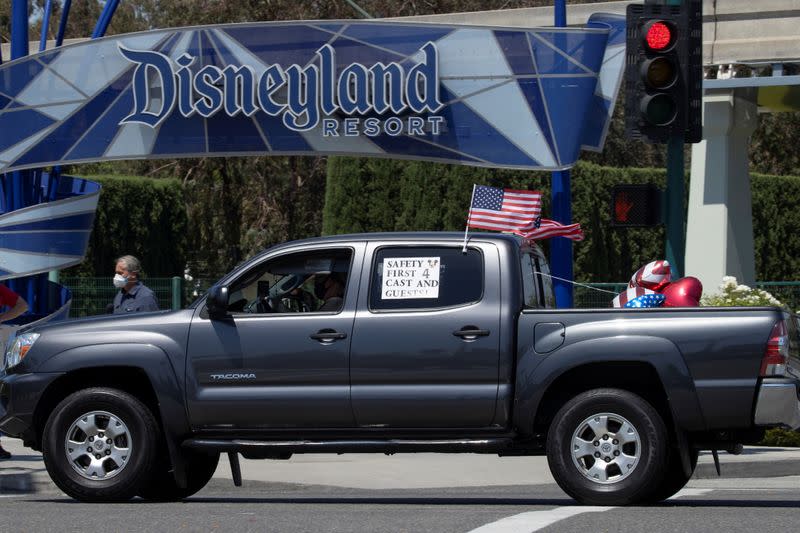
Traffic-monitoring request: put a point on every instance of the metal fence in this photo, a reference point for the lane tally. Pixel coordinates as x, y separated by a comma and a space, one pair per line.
91, 296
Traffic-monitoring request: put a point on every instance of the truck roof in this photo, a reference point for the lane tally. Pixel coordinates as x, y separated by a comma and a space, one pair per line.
410, 235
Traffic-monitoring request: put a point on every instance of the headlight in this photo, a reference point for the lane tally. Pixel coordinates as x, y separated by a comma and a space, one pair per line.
19, 349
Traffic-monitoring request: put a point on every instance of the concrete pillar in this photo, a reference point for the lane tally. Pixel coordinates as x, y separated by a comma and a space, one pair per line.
719, 236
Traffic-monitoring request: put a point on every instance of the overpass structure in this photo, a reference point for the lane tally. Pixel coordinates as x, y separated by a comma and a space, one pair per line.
761, 35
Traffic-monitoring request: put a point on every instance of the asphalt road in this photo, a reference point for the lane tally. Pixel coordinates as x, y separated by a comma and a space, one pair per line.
759, 492
730, 505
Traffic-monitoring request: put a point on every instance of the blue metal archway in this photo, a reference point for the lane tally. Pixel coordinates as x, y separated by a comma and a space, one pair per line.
45, 217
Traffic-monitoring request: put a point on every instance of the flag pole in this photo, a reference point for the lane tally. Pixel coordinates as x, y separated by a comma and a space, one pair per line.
469, 215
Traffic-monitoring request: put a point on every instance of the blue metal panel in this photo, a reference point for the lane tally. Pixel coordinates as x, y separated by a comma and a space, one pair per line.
23, 122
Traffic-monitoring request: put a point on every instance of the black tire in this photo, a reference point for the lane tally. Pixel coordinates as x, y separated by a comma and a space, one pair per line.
675, 478
139, 439
593, 423
200, 467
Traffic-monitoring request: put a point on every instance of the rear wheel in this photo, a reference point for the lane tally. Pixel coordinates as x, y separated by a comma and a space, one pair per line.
200, 467
607, 447
99, 445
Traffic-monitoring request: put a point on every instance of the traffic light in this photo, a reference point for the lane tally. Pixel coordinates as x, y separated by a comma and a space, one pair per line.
635, 205
664, 71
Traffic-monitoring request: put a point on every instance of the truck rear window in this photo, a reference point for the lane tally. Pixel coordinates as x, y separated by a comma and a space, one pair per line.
423, 278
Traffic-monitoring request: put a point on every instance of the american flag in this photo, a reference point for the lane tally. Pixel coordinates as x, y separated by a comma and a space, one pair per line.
629, 294
544, 229
504, 209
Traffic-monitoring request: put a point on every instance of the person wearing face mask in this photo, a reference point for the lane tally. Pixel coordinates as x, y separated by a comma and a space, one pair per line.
330, 289
133, 296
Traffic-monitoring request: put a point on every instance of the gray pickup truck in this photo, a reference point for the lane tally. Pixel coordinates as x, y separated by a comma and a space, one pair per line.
393, 343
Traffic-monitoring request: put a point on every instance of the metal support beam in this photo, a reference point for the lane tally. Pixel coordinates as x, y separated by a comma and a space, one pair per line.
48, 10
676, 216
62, 24
105, 18
19, 29
561, 200
720, 224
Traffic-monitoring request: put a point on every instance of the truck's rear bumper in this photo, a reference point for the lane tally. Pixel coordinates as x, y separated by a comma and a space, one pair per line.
777, 403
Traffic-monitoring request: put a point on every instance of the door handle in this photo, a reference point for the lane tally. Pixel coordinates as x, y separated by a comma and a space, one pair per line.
470, 332
328, 335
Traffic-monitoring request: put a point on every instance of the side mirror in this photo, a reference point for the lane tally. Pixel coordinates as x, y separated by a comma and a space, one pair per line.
217, 300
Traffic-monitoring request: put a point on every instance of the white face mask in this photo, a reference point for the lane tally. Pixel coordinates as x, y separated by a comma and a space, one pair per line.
120, 281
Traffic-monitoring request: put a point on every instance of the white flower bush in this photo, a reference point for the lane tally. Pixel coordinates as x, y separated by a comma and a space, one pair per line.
731, 294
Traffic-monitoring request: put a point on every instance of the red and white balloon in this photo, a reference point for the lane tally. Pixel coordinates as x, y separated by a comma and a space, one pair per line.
655, 277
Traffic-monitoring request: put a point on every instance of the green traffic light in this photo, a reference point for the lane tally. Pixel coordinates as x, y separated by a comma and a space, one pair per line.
659, 109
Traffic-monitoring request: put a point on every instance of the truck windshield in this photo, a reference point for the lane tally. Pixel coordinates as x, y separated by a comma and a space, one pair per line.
537, 288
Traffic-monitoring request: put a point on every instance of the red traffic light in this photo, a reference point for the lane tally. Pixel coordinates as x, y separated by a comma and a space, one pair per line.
659, 35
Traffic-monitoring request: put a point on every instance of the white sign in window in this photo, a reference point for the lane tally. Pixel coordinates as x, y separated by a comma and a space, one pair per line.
410, 277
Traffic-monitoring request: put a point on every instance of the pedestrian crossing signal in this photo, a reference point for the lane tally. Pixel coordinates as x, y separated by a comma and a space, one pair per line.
636, 205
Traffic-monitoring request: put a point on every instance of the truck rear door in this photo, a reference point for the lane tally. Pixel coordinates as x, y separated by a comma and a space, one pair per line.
425, 348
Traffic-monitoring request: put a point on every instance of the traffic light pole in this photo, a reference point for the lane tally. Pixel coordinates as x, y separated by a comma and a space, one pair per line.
675, 213
561, 201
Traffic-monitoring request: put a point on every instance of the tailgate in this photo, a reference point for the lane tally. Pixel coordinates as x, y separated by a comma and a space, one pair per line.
793, 327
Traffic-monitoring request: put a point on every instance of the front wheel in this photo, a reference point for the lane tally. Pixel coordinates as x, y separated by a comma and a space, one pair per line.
99, 445
607, 447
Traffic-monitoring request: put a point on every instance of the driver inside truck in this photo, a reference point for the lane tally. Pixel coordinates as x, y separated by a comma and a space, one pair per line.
329, 288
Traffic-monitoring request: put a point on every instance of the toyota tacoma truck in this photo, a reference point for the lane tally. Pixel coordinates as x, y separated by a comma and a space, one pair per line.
391, 343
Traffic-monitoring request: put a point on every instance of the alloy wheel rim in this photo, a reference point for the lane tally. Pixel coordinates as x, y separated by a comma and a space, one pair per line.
98, 445
606, 448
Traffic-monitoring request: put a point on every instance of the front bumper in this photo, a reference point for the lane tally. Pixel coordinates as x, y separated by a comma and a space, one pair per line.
19, 395
778, 403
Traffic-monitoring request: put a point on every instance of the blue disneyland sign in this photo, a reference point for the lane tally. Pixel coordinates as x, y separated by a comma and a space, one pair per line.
522, 98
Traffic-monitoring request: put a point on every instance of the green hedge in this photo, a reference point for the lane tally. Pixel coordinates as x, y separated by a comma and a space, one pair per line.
387, 195
145, 217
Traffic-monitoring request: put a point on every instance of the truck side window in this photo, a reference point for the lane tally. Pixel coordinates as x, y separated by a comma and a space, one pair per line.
545, 282
536, 283
530, 292
423, 278
304, 282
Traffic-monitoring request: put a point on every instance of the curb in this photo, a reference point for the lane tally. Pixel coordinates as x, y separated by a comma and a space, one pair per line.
748, 469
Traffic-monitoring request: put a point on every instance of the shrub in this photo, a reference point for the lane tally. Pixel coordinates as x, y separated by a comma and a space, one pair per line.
733, 294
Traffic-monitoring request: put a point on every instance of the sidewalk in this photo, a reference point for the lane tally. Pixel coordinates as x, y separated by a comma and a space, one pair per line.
25, 471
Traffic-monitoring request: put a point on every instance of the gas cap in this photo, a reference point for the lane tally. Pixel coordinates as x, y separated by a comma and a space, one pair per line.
547, 336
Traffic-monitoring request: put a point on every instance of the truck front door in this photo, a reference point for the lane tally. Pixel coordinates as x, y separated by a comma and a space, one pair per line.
280, 357
425, 350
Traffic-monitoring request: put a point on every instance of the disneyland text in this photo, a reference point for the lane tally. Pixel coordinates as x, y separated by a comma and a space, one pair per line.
303, 96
